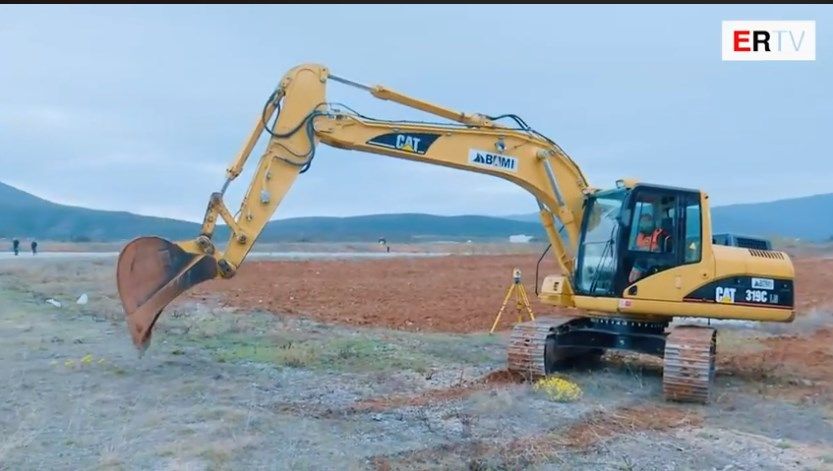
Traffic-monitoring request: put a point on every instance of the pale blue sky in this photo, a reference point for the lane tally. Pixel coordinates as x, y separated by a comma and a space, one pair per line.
140, 108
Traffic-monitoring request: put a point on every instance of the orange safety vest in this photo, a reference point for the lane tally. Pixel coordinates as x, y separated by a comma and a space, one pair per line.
649, 242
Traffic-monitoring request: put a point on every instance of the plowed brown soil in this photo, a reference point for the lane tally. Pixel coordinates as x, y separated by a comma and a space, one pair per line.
448, 294
804, 361
813, 283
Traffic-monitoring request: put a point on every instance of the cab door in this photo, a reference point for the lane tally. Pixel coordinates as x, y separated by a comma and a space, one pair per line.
662, 231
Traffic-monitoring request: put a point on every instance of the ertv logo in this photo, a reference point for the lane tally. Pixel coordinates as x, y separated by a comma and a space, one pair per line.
769, 40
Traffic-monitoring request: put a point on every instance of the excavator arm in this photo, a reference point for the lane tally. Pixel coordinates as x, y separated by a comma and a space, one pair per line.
151, 271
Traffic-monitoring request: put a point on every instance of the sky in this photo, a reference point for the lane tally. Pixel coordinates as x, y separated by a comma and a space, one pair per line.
141, 108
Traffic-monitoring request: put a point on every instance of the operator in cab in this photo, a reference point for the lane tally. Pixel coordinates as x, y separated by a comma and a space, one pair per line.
650, 238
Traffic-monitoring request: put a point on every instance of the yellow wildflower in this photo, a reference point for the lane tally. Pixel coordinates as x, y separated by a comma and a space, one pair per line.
558, 389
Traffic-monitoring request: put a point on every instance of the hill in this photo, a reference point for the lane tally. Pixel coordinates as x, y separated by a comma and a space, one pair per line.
26, 215
808, 218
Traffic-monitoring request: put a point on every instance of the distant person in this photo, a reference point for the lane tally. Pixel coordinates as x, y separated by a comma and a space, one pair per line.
16, 246
34, 247
384, 243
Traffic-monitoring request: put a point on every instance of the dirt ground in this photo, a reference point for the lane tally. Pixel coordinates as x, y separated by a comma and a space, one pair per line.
378, 365
442, 294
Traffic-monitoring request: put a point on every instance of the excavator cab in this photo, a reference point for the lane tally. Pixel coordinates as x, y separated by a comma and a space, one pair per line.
631, 233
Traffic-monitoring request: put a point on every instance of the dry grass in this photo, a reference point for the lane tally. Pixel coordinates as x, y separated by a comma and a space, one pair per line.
110, 459
216, 453
65, 281
603, 424
295, 355
457, 391
551, 447
222, 414
18, 439
596, 428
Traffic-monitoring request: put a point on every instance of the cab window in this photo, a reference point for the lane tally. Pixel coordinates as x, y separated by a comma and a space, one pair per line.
652, 235
653, 224
693, 238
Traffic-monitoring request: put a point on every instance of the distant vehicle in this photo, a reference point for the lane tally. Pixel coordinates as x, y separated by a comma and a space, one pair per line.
734, 240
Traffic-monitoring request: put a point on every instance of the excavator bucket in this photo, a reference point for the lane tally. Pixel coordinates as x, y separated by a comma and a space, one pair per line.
152, 272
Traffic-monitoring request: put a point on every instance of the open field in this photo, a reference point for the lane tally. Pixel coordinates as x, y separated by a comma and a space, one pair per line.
458, 248
378, 364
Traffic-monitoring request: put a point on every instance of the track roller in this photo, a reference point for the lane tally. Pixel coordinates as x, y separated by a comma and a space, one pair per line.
689, 364
534, 351
527, 345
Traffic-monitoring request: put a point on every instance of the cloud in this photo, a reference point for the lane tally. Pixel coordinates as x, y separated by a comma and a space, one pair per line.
143, 107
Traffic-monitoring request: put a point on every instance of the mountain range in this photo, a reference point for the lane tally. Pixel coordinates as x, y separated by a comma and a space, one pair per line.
26, 215
808, 218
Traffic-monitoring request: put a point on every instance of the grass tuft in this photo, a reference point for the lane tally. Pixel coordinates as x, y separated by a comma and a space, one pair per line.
296, 355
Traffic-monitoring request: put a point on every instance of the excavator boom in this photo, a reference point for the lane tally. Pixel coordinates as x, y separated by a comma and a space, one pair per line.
152, 272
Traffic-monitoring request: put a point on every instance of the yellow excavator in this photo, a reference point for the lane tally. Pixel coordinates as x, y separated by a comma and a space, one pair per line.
632, 258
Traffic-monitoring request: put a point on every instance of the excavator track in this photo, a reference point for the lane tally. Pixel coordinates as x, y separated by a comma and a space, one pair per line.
527, 346
689, 364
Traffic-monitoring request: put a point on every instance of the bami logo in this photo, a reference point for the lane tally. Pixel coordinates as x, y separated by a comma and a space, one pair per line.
492, 160
769, 40
763, 283
416, 143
